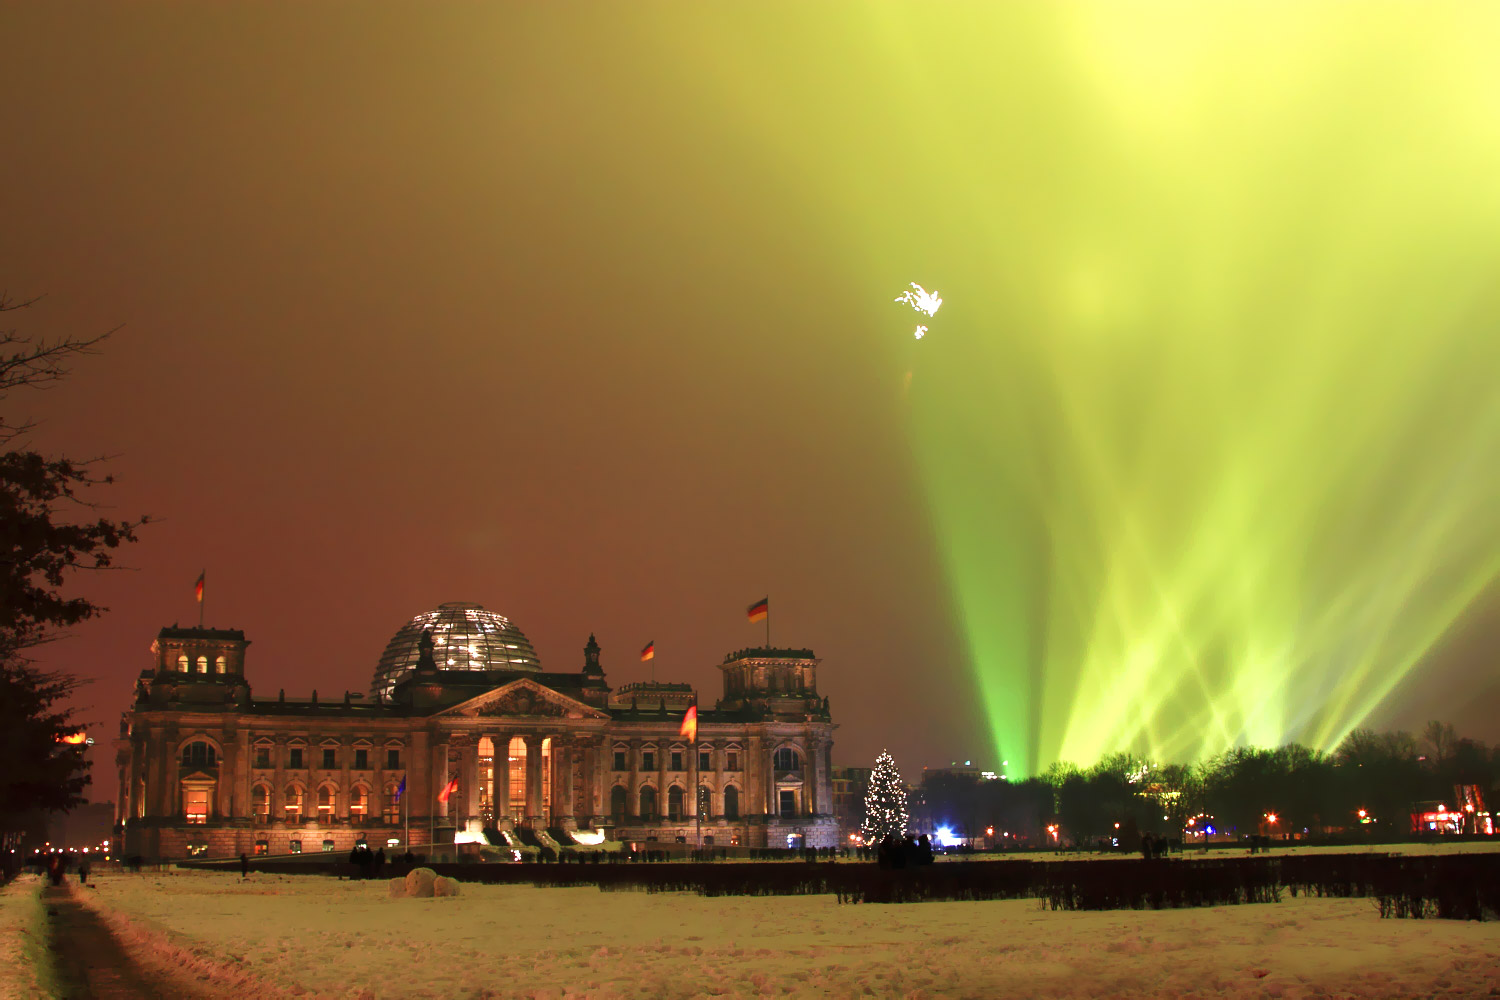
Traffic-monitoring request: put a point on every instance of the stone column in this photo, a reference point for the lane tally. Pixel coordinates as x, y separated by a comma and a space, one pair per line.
222, 800
418, 779
811, 806
278, 780
588, 807
718, 751
534, 815
564, 805
754, 780
346, 784
825, 777
489, 783
502, 780
159, 801
633, 793
663, 758
239, 806
469, 756
439, 769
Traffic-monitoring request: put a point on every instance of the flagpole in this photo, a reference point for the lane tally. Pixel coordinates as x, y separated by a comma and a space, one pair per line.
697, 791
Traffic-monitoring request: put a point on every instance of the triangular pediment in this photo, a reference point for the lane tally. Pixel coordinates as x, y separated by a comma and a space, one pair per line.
523, 698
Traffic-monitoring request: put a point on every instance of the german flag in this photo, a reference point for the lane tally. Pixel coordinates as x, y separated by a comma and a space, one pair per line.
757, 612
689, 728
198, 587
648, 652
448, 790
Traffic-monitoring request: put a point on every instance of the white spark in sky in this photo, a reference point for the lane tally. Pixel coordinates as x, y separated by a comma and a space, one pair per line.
921, 299
921, 330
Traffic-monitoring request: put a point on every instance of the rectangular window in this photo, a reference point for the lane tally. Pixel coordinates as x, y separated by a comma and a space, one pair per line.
708, 840
330, 758
620, 764
705, 760
677, 760
361, 760
327, 847
788, 802
294, 758
262, 756
195, 804
393, 760
295, 846
262, 847
732, 760
648, 760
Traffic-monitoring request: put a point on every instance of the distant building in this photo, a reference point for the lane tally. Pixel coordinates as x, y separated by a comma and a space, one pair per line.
460, 704
849, 787
966, 768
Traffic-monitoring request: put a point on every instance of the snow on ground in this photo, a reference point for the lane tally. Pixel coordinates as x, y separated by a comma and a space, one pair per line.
349, 939
21, 947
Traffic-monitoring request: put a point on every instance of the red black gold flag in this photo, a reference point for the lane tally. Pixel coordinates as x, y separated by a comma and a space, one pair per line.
198, 587
448, 790
648, 652
758, 611
689, 730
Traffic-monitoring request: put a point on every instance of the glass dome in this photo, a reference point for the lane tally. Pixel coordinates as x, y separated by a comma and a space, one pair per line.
464, 637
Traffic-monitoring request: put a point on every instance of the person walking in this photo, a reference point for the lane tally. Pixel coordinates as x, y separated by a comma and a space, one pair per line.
244, 865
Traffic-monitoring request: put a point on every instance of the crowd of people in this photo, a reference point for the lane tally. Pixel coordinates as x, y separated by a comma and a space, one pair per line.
901, 852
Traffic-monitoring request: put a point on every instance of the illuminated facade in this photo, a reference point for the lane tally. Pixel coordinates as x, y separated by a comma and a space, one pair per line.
205, 768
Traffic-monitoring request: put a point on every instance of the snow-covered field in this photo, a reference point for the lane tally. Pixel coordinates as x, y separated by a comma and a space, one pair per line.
21, 926
349, 939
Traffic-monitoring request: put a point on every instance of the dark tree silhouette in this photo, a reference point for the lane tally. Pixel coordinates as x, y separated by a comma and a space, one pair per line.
48, 529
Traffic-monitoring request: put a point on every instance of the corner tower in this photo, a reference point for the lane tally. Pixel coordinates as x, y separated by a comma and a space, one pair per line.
774, 681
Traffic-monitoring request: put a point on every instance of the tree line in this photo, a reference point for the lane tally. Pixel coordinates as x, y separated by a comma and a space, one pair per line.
1372, 781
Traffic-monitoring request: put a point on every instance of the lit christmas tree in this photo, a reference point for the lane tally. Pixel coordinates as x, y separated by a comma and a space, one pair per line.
885, 802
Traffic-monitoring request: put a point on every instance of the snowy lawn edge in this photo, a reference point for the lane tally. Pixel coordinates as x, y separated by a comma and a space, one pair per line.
25, 961
183, 952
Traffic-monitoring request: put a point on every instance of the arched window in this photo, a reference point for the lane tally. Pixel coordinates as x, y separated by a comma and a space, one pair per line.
359, 803
648, 803
617, 798
202, 664
198, 754
325, 804
293, 808
674, 803
392, 805
219, 664
182, 663
787, 759
260, 803
731, 803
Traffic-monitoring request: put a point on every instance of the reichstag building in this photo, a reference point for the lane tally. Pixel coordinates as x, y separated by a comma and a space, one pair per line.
464, 740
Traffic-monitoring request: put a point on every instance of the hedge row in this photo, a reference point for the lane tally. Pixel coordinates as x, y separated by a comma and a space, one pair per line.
1453, 886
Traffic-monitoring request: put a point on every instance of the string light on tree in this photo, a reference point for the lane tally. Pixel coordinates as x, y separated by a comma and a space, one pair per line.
885, 802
